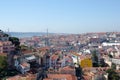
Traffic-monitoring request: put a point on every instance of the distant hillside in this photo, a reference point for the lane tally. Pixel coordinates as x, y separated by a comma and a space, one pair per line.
26, 34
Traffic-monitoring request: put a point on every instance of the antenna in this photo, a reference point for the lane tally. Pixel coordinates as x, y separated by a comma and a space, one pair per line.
47, 39
8, 30
47, 32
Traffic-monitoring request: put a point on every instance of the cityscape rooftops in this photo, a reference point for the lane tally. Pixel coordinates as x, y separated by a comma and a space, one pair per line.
24, 65
21, 77
30, 57
61, 77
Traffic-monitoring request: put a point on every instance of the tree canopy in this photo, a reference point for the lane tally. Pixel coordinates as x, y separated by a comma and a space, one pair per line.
5, 35
95, 58
112, 75
3, 62
14, 40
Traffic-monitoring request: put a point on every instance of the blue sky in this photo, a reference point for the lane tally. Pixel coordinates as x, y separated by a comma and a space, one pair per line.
60, 16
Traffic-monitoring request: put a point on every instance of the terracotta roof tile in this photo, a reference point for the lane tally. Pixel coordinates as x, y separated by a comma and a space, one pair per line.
54, 57
3, 54
27, 52
47, 79
19, 77
62, 76
67, 68
24, 64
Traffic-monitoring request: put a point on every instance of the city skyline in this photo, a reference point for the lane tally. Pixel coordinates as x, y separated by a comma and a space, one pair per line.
60, 16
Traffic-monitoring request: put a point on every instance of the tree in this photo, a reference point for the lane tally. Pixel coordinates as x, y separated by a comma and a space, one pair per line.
14, 41
78, 72
5, 35
112, 75
3, 62
95, 58
113, 66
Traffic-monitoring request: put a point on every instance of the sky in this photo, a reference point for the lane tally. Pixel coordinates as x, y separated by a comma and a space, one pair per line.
60, 16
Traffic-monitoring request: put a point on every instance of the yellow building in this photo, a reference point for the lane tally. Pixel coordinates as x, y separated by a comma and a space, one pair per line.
87, 62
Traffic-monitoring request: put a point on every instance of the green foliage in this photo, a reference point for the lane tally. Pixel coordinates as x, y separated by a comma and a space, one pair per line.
95, 58
113, 66
112, 75
94, 55
14, 41
110, 71
23, 47
3, 62
5, 35
96, 62
14, 38
7, 73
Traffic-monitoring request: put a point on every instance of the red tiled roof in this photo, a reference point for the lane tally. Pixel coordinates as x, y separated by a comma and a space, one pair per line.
67, 68
47, 79
3, 54
14, 78
61, 76
54, 57
25, 64
19, 77
44, 48
27, 52
86, 77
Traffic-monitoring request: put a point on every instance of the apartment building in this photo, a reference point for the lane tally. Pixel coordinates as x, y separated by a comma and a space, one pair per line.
6, 46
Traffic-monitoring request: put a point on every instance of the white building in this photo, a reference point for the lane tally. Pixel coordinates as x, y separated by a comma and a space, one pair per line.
110, 44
